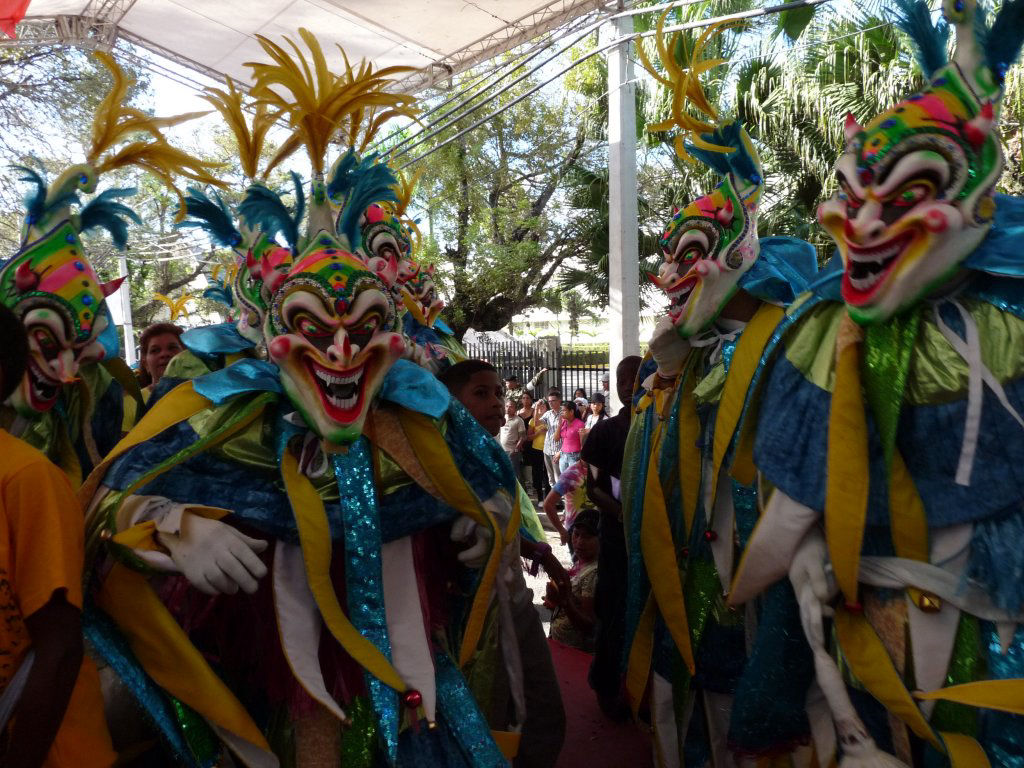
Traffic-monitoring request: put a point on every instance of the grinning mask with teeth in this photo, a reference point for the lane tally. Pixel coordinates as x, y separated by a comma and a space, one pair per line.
53, 288
711, 243
331, 331
419, 294
915, 184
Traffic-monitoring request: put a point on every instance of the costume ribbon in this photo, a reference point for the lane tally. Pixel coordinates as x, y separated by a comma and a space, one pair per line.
745, 361
433, 452
315, 540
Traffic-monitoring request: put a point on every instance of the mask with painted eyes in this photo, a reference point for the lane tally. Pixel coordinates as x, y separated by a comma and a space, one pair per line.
419, 295
53, 288
249, 293
331, 331
915, 184
711, 243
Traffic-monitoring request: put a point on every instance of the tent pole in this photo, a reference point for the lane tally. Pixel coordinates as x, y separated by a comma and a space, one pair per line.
124, 295
623, 258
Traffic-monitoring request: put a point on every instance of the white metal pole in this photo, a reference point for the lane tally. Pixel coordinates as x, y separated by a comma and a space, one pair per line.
623, 257
126, 312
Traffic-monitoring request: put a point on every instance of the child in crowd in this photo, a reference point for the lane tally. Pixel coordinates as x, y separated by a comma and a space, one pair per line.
51, 711
573, 619
569, 436
569, 486
533, 452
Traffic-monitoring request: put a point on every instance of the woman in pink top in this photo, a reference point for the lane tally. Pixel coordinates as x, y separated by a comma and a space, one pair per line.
570, 435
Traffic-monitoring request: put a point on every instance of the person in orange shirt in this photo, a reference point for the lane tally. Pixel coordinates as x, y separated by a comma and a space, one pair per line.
51, 710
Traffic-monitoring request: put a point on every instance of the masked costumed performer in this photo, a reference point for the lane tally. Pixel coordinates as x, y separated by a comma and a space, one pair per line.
687, 494
270, 495
69, 404
892, 427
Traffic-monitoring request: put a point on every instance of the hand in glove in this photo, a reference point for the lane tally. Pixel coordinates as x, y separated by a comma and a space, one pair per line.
214, 557
479, 539
809, 568
668, 348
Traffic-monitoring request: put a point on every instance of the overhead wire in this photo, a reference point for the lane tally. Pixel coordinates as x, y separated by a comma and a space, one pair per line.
601, 49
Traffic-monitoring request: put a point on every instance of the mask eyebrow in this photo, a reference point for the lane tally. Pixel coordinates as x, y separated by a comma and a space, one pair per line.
366, 300
915, 164
303, 300
688, 238
846, 173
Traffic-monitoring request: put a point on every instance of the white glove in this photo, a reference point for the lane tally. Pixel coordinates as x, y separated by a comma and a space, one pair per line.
214, 557
465, 529
810, 569
668, 348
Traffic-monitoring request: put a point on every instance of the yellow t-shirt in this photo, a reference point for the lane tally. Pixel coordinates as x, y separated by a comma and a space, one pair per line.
42, 551
541, 427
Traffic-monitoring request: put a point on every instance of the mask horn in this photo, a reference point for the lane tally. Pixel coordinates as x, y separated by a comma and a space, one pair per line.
851, 127
978, 128
388, 272
111, 286
25, 279
271, 277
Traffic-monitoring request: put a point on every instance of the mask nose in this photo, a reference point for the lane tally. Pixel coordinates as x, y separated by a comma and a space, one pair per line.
866, 225
64, 366
340, 352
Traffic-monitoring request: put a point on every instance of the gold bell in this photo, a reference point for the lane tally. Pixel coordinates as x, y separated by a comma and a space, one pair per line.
106, 534
929, 603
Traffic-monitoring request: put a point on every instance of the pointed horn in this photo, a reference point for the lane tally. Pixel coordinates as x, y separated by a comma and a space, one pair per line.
725, 215
25, 279
111, 286
389, 272
978, 128
851, 127
271, 277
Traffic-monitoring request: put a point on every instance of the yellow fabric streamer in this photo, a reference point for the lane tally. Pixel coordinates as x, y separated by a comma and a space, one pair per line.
689, 454
168, 656
846, 491
315, 539
638, 668
1003, 695
745, 361
433, 452
659, 554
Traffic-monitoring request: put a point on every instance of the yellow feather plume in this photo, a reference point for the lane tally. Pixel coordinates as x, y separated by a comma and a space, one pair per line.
318, 103
176, 306
250, 136
687, 92
115, 141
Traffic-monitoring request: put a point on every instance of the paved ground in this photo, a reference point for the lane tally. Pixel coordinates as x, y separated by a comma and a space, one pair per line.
591, 739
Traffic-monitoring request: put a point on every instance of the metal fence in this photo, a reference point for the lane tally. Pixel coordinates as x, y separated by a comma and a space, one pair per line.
568, 368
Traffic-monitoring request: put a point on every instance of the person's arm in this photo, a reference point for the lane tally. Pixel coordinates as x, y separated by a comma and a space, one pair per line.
579, 610
531, 385
603, 500
55, 631
552, 512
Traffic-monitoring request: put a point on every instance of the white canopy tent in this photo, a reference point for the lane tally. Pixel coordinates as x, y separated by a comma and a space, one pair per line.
440, 38
216, 37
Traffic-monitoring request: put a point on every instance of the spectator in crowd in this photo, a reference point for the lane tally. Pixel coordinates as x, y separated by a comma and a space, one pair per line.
525, 404
603, 452
533, 450
157, 345
597, 412
579, 393
569, 435
605, 382
514, 390
569, 484
512, 436
475, 384
552, 440
49, 690
574, 618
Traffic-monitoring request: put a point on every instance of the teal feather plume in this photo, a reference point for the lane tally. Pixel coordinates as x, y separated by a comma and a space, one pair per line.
36, 206
263, 209
355, 185
105, 212
914, 19
210, 214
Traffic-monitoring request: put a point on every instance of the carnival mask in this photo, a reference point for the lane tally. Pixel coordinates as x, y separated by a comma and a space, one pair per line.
419, 295
330, 330
915, 185
248, 288
54, 289
707, 248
